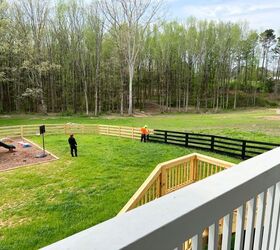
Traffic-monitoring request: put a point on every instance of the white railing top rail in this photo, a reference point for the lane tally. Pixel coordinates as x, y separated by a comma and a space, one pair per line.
167, 222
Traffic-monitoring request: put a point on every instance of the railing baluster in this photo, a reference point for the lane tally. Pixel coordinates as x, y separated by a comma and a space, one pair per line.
277, 246
239, 235
250, 224
268, 216
259, 220
227, 228
275, 217
213, 236
180, 247
197, 242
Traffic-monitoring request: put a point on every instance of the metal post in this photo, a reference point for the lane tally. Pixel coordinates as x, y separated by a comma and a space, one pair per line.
43, 137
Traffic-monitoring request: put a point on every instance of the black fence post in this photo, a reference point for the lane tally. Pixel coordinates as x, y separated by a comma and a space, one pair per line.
243, 150
186, 140
165, 136
212, 142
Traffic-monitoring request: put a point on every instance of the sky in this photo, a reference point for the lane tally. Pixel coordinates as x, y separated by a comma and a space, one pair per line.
260, 15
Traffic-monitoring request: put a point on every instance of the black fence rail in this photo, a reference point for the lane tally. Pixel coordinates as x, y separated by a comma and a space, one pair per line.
219, 144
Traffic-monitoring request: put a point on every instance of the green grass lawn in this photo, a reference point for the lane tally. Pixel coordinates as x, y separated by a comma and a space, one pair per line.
258, 124
45, 203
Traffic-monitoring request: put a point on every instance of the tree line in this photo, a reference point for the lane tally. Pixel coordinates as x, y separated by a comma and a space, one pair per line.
118, 55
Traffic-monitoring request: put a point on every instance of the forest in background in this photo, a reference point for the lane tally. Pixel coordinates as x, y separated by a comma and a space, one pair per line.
115, 56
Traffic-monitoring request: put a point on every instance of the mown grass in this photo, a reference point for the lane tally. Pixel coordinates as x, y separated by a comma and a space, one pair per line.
45, 203
258, 124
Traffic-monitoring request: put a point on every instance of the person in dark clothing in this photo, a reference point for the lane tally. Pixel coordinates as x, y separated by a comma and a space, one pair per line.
73, 145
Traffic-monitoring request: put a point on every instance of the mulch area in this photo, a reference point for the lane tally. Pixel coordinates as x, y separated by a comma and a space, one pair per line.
21, 156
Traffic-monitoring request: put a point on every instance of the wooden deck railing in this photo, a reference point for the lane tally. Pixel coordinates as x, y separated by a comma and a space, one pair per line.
172, 175
251, 188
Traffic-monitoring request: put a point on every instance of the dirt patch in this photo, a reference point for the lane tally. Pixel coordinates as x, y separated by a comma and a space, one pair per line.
22, 155
272, 118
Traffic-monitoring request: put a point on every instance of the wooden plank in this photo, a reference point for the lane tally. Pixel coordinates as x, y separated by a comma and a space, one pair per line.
163, 181
215, 161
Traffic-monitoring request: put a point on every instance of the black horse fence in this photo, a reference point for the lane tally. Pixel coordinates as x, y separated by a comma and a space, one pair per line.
234, 147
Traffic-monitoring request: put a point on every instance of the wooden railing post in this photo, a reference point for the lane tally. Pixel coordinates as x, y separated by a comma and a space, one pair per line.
193, 169
165, 136
163, 181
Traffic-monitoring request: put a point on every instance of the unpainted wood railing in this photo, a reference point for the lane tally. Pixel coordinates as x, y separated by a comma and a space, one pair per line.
174, 174
251, 188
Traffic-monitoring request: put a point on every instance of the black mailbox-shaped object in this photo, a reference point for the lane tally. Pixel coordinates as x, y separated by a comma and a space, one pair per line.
42, 129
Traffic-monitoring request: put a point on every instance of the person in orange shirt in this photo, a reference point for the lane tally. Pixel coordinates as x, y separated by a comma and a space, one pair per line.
144, 133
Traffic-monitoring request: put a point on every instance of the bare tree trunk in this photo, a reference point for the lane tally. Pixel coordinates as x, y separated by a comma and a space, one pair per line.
235, 97
131, 73
86, 96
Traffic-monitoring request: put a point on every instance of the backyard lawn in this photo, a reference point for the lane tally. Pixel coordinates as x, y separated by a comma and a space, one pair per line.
44, 203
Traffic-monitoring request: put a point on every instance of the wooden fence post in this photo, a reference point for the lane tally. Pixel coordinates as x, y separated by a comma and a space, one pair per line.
132, 133
165, 136
212, 142
21, 131
243, 155
187, 140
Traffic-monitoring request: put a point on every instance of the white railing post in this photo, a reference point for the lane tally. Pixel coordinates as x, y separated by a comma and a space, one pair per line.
268, 217
240, 217
197, 242
213, 236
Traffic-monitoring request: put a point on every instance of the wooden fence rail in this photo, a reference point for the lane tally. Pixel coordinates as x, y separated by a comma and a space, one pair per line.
51, 129
172, 175
219, 144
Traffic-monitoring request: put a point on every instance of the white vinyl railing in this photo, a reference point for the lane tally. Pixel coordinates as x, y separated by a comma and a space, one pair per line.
248, 192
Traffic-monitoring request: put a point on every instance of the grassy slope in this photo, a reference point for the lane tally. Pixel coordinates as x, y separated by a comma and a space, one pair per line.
45, 203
